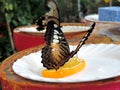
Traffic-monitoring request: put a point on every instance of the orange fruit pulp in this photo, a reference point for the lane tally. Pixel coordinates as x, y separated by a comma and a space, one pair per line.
73, 66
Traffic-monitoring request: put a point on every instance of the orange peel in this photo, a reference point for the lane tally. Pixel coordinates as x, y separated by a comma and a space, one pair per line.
74, 65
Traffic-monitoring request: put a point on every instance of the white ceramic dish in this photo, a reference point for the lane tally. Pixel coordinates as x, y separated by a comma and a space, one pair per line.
95, 18
103, 62
92, 17
65, 29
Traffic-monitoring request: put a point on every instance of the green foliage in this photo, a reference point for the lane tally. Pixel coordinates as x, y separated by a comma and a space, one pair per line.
5, 47
19, 12
22, 12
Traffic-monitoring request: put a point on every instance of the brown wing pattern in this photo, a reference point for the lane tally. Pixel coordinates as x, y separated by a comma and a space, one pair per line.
52, 14
54, 11
82, 41
56, 48
56, 52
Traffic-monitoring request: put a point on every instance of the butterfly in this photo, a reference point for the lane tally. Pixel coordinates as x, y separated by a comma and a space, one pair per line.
56, 51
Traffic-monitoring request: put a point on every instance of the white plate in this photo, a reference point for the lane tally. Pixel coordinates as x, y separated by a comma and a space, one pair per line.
95, 18
66, 29
103, 62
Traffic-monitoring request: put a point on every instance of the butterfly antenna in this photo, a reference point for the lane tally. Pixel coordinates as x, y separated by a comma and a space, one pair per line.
82, 41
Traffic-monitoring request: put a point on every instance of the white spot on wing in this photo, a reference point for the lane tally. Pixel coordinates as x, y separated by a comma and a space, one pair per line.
56, 32
55, 37
55, 41
55, 25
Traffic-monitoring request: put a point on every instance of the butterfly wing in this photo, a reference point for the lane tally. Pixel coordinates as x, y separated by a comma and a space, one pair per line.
57, 49
52, 13
82, 41
56, 52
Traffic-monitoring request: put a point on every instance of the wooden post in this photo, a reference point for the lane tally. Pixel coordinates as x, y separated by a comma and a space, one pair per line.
9, 33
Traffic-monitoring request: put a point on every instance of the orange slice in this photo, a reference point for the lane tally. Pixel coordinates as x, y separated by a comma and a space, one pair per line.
73, 66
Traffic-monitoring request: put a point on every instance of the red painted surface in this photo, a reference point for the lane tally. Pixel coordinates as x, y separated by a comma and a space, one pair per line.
59, 86
23, 41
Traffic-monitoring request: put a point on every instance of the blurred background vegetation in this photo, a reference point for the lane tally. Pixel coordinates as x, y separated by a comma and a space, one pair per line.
15, 13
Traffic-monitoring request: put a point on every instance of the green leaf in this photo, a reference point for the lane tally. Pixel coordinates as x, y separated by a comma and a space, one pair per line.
15, 22
8, 6
9, 17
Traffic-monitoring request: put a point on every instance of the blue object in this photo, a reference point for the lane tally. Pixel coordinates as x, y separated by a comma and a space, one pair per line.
109, 13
